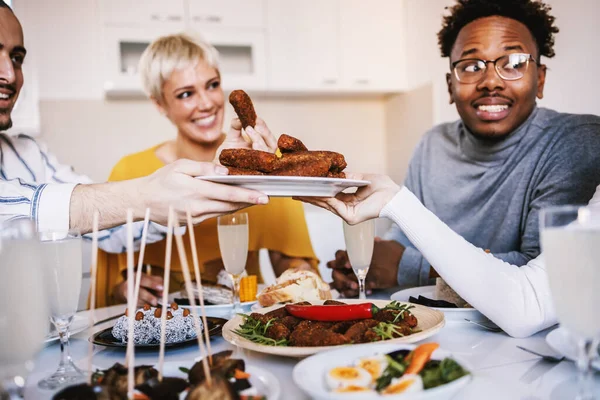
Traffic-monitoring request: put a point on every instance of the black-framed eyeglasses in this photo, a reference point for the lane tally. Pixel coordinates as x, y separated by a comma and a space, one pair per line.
509, 67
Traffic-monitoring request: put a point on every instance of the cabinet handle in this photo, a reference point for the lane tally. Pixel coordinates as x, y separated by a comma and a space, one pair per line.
329, 81
197, 18
362, 81
174, 18
214, 18
155, 17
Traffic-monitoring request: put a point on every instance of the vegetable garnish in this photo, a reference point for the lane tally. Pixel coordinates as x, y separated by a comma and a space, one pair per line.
255, 331
419, 357
346, 312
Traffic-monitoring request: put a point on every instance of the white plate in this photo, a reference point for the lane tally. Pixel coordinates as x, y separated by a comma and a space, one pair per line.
563, 343
79, 324
429, 323
287, 186
452, 314
265, 382
309, 374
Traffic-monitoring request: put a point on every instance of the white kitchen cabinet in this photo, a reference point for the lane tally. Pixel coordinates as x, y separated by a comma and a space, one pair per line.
231, 14
143, 12
123, 49
302, 43
371, 51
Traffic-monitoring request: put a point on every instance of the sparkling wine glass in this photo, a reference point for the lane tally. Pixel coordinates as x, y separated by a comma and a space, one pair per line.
62, 269
571, 250
24, 314
233, 243
360, 239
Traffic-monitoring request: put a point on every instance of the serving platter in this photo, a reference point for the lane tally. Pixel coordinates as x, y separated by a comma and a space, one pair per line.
429, 323
288, 186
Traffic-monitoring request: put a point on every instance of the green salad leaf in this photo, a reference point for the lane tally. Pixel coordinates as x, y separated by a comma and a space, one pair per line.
255, 331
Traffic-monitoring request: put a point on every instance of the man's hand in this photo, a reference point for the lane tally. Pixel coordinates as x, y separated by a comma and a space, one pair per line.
260, 138
363, 205
151, 290
176, 185
382, 274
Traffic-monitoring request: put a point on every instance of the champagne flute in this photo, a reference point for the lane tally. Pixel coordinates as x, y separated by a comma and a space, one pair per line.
360, 239
24, 315
62, 269
571, 250
233, 243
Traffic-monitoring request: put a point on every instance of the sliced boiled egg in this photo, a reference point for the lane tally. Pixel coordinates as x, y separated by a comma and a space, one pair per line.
374, 365
354, 389
410, 383
341, 377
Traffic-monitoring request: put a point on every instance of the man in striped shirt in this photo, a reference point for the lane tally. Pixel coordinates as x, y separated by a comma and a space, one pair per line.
33, 184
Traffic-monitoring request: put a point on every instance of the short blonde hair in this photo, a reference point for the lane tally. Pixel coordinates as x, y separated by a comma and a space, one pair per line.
172, 52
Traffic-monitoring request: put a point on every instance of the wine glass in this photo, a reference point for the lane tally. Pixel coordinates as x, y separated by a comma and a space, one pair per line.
24, 315
571, 249
233, 243
360, 239
62, 269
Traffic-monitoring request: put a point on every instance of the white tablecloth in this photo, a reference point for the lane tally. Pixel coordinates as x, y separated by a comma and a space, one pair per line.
500, 370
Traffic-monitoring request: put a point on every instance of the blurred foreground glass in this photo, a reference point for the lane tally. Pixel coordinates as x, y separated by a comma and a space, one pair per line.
571, 250
360, 240
24, 311
62, 270
233, 243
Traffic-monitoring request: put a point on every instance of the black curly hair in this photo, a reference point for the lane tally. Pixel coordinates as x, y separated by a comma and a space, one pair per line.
535, 15
4, 5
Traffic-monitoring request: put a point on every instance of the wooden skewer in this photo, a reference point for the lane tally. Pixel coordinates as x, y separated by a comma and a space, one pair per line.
138, 276
190, 228
163, 314
94, 266
188, 287
130, 357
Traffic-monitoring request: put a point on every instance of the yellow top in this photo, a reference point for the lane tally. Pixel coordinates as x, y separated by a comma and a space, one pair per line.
279, 226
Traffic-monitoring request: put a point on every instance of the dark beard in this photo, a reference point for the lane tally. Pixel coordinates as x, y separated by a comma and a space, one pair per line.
4, 126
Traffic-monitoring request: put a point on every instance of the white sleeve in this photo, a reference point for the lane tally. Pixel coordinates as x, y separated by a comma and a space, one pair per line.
516, 298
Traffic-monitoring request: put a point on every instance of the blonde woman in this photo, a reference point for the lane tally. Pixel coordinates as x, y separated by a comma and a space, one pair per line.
181, 76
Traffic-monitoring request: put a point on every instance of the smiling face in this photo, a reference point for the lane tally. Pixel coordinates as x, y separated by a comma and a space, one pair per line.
493, 108
12, 55
193, 100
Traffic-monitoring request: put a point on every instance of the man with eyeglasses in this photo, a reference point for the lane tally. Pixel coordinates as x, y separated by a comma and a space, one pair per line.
488, 174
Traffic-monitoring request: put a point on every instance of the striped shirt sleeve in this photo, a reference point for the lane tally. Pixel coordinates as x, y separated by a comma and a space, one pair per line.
34, 185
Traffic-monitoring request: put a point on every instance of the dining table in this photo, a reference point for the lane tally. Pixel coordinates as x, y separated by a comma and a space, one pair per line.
500, 370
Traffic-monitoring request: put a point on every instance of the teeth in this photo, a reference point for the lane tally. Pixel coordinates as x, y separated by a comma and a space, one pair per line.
493, 108
205, 121
4, 96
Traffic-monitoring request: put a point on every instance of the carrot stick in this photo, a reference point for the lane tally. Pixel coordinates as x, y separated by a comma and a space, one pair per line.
419, 357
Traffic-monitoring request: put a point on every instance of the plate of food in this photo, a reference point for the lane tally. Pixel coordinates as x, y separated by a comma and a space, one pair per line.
180, 329
564, 343
382, 371
293, 171
438, 297
231, 379
302, 329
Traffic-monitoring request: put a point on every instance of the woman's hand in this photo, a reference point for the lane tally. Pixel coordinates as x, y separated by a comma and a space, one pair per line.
260, 137
363, 205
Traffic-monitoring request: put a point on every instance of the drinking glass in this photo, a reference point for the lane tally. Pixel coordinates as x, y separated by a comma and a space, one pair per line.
24, 311
62, 269
233, 243
360, 239
571, 249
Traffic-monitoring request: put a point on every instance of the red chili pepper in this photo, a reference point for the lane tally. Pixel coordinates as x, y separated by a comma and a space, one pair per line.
333, 312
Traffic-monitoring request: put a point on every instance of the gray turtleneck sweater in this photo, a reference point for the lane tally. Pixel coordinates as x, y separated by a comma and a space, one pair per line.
491, 192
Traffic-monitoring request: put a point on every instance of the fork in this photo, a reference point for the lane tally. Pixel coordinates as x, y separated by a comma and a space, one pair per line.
488, 326
543, 356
